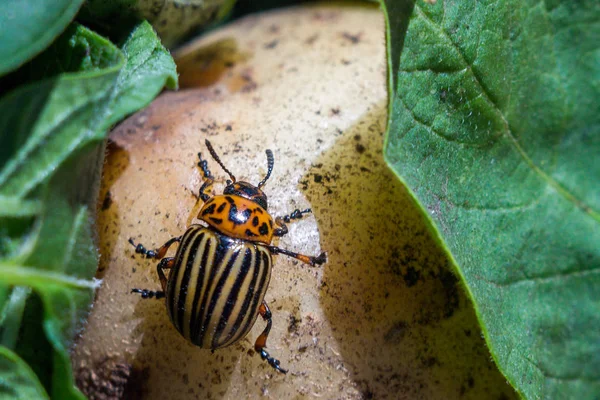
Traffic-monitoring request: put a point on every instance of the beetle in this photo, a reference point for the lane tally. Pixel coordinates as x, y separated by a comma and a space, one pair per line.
218, 278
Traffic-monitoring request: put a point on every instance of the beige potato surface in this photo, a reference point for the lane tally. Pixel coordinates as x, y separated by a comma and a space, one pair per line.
384, 318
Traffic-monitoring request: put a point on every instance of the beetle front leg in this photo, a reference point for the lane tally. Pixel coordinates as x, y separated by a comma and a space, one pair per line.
280, 221
320, 259
209, 179
156, 254
261, 341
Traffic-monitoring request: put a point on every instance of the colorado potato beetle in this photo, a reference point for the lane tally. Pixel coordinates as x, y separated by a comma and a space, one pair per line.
221, 270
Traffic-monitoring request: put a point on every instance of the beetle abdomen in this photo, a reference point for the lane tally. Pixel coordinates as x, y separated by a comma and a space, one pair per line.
216, 286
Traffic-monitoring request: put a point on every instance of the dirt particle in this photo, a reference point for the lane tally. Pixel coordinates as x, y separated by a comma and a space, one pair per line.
108, 379
450, 285
272, 44
360, 148
411, 277
354, 39
311, 39
294, 324
107, 202
396, 333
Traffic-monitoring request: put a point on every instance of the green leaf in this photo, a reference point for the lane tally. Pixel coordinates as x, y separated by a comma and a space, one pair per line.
149, 68
51, 151
17, 380
495, 128
43, 122
27, 27
12, 314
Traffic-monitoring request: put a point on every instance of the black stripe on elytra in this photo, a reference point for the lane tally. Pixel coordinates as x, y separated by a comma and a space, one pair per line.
255, 221
217, 293
210, 209
264, 229
249, 295
222, 249
249, 233
271, 223
221, 207
183, 288
181, 252
259, 210
232, 298
217, 221
230, 199
259, 291
200, 289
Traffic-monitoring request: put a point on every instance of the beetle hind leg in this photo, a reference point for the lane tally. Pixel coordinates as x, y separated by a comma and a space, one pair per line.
261, 341
310, 260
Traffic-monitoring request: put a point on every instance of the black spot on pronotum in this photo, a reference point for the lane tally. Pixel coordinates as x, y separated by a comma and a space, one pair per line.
221, 207
264, 229
239, 218
217, 221
209, 210
255, 221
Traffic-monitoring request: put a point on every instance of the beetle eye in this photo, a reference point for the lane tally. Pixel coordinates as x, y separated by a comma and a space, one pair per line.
228, 182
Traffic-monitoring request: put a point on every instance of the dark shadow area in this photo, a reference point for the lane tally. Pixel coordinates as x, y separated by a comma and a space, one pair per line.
402, 322
107, 210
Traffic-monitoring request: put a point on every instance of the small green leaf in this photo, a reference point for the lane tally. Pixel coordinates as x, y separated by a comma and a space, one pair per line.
11, 315
29, 26
495, 128
17, 380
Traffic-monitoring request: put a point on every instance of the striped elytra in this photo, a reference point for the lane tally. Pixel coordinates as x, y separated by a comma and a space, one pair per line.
216, 286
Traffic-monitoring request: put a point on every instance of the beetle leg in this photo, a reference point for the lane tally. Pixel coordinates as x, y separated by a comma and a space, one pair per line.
148, 294
165, 263
206, 187
280, 221
320, 259
261, 341
156, 254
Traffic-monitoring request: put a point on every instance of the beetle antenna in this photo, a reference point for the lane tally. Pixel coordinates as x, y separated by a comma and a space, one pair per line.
270, 162
214, 155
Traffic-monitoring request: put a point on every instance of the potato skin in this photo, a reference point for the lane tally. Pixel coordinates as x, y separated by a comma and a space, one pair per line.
383, 318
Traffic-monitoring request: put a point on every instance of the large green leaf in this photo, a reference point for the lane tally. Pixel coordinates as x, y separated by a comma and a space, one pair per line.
51, 149
495, 128
29, 26
17, 380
